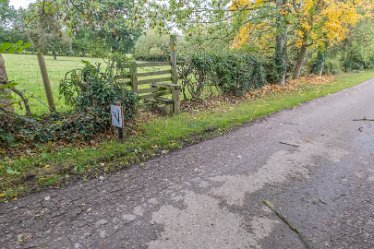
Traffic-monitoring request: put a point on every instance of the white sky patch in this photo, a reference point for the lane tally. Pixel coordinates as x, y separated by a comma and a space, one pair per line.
20, 3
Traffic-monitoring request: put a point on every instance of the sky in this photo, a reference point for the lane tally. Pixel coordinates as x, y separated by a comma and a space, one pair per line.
20, 3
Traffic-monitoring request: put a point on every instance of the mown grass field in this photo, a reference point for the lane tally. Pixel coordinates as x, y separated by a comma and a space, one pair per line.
24, 69
52, 168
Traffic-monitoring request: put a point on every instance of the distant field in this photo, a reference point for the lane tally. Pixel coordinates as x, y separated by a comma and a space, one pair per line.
24, 69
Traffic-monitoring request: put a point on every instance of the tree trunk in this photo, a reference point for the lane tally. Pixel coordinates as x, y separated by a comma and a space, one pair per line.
54, 54
3, 74
321, 69
300, 61
281, 42
319, 64
4, 80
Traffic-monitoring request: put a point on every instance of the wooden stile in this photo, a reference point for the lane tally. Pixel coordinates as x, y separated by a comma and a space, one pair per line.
163, 88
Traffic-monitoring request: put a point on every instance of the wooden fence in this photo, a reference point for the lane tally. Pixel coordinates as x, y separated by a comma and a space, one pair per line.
160, 86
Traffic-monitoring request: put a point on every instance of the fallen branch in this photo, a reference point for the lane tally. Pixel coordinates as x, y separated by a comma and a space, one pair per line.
363, 119
24, 100
289, 224
293, 145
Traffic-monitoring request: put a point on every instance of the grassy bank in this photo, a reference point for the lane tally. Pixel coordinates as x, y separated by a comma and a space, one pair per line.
159, 135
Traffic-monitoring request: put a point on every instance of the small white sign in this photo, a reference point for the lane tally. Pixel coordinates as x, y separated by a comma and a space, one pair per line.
117, 115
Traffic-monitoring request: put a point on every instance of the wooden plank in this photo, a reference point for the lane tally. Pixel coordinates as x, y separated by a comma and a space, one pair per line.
150, 81
147, 90
126, 83
157, 94
121, 77
153, 64
164, 85
164, 100
134, 79
154, 73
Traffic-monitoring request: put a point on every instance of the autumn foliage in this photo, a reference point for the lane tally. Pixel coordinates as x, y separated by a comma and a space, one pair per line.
311, 25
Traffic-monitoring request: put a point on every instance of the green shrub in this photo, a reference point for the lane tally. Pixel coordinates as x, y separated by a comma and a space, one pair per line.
232, 73
331, 66
353, 59
196, 73
370, 62
90, 92
323, 63
272, 71
237, 74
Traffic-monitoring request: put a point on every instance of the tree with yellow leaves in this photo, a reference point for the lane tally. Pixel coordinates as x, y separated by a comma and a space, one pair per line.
321, 23
305, 24
264, 21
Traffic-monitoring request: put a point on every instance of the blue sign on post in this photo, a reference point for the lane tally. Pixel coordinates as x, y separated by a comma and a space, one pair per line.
117, 116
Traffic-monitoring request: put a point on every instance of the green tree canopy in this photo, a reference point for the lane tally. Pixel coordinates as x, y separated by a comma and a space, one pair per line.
45, 28
101, 26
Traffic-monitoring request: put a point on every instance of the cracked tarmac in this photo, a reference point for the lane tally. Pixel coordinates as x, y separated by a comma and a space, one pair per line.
209, 195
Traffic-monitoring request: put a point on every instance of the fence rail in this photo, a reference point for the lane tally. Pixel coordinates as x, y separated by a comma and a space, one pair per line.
153, 64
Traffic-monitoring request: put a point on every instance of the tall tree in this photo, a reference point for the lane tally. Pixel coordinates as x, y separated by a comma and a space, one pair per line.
256, 18
45, 28
281, 40
321, 23
101, 26
11, 24
4, 92
5, 85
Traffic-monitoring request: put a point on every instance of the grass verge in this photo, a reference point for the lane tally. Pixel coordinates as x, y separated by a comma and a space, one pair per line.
51, 169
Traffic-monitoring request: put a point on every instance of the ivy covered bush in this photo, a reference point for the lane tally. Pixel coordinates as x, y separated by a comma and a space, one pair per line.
231, 73
89, 92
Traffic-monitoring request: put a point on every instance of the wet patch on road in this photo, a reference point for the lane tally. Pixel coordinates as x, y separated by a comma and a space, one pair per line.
206, 220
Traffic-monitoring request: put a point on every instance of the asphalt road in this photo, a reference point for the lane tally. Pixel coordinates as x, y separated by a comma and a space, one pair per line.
210, 195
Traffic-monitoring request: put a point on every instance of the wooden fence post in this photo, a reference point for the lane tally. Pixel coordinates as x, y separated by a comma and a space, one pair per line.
134, 78
175, 92
46, 83
173, 59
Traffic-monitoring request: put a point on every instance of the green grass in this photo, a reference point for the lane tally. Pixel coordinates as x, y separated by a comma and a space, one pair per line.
166, 133
24, 69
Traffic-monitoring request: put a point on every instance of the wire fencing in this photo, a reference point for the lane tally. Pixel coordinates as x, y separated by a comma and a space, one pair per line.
31, 84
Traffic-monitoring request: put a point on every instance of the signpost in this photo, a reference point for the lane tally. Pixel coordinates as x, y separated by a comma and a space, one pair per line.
118, 118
